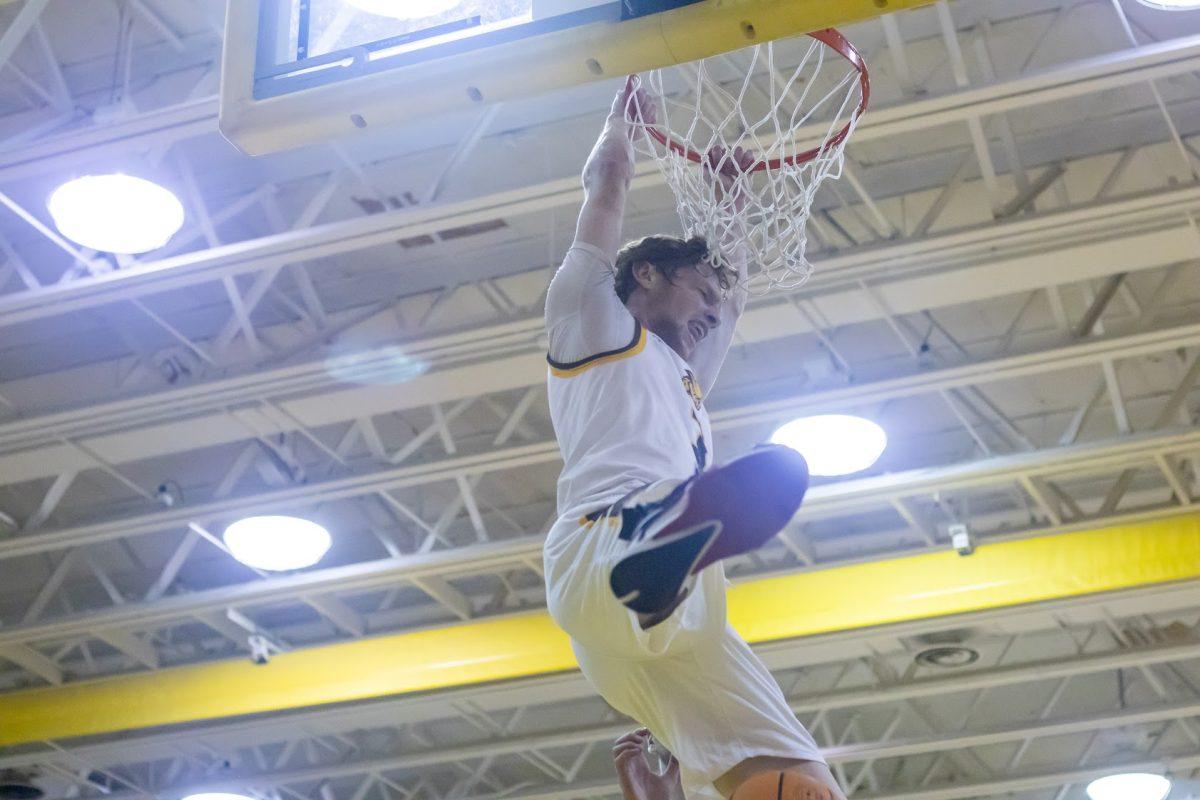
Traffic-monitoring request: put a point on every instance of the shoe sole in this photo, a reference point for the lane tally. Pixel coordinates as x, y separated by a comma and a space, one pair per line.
650, 580
702, 534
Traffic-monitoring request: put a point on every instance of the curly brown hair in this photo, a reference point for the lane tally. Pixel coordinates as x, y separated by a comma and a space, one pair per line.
668, 254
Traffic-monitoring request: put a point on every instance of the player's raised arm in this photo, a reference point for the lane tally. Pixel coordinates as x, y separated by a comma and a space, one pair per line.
584, 315
732, 258
607, 173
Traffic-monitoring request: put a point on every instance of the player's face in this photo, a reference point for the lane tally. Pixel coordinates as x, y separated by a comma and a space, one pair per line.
683, 311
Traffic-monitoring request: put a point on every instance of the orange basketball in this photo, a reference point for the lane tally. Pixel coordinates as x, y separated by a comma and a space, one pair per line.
782, 785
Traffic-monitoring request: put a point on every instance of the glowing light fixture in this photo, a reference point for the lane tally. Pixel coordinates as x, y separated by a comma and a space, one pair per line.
404, 9
1172, 5
834, 444
276, 543
217, 796
1129, 786
115, 213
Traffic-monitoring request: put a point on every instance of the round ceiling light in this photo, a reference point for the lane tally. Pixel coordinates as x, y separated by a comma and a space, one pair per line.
115, 213
1129, 786
1172, 5
404, 9
277, 543
833, 444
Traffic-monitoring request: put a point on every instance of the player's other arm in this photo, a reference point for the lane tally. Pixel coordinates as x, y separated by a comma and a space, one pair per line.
734, 258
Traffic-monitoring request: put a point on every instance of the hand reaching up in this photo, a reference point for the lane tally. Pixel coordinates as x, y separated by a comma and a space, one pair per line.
726, 169
638, 780
613, 152
636, 105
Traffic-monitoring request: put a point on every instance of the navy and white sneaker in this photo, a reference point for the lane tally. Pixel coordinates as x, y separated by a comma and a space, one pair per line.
718, 514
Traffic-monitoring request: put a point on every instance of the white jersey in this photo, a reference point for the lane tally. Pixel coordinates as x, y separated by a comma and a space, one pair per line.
627, 411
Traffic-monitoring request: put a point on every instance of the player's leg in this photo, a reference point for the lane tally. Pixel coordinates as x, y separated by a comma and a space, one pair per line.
723, 512
717, 708
579, 555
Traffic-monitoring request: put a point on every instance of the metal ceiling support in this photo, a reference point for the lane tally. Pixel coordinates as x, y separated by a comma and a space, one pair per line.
1072, 80
958, 69
50, 586
263, 280
505, 744
917, 383
983, 57
984, 522
1097, 305
462, 150
1039, 780
29, 659
158, 128
1168, 411
62, 244
50, 500
25, 21
179, 241
999, 575
1177, 481
13, 259
1150, 311
1188, 164
1095, 74
1027, 196
158, 23
416, 708
897, 54
958, 790
1090, 257
170, 570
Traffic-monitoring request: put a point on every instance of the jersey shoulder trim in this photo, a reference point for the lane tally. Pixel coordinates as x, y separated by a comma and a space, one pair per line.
573, 368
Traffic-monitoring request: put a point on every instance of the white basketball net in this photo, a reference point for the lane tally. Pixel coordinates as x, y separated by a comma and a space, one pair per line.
784, 101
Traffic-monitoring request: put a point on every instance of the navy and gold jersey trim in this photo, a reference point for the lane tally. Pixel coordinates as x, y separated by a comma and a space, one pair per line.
571, 369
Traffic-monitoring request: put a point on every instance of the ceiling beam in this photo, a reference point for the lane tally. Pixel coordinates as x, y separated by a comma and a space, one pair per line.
513, 347
35, 662
1133, 66
21, 25
574, 737
548, 689
1000, 574
960, 790
917, 383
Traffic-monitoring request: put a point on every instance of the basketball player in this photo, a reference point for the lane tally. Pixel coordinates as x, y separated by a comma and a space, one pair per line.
637, 335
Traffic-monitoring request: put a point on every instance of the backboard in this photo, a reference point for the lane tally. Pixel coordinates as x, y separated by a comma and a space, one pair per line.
301, 71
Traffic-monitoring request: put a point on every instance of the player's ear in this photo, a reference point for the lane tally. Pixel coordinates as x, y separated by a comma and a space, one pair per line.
644, 273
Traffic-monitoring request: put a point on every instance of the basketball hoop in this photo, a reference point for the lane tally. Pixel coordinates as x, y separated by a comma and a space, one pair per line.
793, 103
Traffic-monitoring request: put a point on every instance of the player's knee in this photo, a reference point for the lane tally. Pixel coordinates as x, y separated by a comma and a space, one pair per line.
789, 470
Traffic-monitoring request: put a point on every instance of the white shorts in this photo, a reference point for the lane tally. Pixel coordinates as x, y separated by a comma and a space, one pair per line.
692, 680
